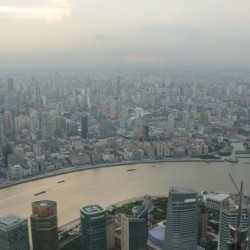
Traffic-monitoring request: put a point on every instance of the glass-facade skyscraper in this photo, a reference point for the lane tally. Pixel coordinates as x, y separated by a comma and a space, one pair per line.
85, 127
14, 233
133, 233
182, 220
93, 226
44, 225
228, 216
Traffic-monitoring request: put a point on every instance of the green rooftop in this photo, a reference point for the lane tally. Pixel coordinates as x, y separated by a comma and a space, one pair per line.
92, 209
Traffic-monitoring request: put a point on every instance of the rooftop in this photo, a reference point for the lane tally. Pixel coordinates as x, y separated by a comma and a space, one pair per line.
181, 190
231, 203
43, 203
92, 209
10, 220
218, 196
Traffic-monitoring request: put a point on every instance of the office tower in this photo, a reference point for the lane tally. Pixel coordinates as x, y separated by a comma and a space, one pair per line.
8, 120
38, 99
85, 127
106, 128
71, 128
44, 226
133, 232
202, 220
10, 93
10, 86
118, 85
145, 131
182, 220
204, 118
93, 226
228, 216
138, 113
14, 233
170, 124
47, 129
94, 112
110, 231
1, 136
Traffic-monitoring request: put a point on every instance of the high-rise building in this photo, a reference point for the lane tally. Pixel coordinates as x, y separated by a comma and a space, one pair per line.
38, 99
228, 216
110, 231
71, 128
94, 112
202, 220
204, 118
1, 136
118, 85
85, 127
14, 233
170, 124
93, 226
133, 232
47, 129
44, 226
106, 128
10, 86
182, 220
145, 132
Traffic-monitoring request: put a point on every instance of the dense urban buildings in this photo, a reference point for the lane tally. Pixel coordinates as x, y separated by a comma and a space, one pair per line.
44, 226
14, 233
182, 220
130, 117
65, 122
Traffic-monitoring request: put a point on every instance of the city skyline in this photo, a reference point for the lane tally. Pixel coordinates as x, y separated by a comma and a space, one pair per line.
70, 34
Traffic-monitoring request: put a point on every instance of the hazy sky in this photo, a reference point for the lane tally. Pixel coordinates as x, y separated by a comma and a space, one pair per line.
78, 32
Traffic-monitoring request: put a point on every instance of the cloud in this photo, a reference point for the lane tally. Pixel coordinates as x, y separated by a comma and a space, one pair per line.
46, 10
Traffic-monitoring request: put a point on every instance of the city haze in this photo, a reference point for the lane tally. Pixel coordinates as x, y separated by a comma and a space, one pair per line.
64, 33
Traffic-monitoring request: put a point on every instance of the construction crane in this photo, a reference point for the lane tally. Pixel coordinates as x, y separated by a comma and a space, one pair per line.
238, 236
238, 191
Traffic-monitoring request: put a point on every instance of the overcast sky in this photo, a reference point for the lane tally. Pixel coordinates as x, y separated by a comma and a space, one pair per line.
79, 32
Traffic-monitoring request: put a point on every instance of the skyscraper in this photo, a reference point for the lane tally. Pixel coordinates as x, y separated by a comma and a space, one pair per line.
145, 132
182, 220
85, 127
170, 123
14, 233
44, 226
1, 136
38, 99
133, 233
228, 216
93, 226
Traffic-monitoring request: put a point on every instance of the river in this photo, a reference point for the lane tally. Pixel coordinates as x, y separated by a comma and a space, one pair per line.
107, 186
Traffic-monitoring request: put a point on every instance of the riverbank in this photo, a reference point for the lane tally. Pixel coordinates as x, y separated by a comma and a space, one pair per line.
103, 165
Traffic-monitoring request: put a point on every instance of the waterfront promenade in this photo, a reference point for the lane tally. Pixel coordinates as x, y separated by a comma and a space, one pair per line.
101, 165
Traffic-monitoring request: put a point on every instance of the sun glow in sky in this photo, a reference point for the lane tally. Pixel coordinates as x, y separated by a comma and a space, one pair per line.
49, 10
77, 32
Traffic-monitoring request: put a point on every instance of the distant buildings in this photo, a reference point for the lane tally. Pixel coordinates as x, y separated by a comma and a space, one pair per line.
14, 233
44, 225
182, 220
93, 226
1, 137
